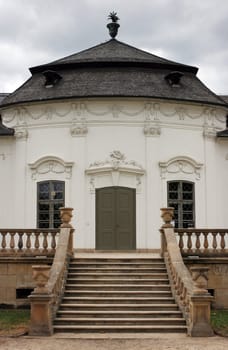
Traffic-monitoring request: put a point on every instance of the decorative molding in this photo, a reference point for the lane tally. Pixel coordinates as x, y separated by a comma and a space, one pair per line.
115, 161
152, 111
78, 129
180, 164
21, 133
51, 164
115, 168
151, 129
219, 269
209, 132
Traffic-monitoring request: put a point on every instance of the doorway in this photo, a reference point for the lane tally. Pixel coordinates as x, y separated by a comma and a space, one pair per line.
115, 218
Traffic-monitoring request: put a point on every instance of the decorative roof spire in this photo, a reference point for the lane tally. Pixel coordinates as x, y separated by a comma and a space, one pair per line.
113, 26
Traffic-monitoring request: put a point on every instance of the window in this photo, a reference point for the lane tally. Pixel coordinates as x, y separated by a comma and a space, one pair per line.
50, 197
181, 198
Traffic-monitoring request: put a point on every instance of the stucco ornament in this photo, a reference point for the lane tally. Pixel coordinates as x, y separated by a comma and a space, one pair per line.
116, 160
180, 164
115, 171
51, 164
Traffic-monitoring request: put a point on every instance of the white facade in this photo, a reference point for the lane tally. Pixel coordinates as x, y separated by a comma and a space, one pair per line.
96, 143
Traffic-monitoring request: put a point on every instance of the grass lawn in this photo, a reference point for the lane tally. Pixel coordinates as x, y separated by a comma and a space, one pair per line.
14, 322
219, 321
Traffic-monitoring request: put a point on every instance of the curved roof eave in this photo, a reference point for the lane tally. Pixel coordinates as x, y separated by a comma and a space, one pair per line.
64, 98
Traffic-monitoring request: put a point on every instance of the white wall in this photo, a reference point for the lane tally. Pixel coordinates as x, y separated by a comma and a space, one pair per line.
84, 132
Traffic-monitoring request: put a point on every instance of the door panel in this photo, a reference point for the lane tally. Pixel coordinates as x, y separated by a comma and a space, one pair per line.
115, 218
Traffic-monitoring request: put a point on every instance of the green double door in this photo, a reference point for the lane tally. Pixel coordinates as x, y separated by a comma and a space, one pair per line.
115, 218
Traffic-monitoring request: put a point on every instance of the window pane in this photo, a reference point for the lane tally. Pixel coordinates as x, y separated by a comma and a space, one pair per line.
187, 187
50, 199
187, 195
173, 186
173, 195
43, 206
181, 198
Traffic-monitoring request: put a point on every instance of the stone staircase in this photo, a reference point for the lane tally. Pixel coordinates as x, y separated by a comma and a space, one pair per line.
118, 295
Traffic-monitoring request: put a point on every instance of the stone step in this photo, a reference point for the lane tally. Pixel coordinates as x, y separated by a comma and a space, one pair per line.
90, 281
122, 270
116, 264
121, 328
115, 287
116, 260
107, 307
117, 275
119, 321
111, 300
118, 293
118, 314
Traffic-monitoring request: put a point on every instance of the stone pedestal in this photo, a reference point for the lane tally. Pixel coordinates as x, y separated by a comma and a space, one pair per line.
41, 318
200, 310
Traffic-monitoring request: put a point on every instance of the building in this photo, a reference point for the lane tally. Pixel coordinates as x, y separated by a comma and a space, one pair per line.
116, 133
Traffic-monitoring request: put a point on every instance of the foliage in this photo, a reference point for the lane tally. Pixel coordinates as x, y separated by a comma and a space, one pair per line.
219, 321
13, 321
113, 16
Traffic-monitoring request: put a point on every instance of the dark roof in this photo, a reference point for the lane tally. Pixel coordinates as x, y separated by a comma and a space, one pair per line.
224, 98
113, 69
2, 96
224, 133
4, 131
112, 51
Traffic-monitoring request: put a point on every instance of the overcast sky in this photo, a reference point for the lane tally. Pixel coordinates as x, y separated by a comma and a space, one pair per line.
34, 32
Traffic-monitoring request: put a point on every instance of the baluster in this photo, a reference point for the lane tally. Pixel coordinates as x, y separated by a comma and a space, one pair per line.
197, 240
45, 242
28, 240
37, 243
4, 240
181, 242
189, 241
214, 241
205, 240
222, 242
20, 241
12, 240
53, 240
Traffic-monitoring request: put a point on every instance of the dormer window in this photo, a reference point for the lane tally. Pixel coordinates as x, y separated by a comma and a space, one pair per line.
52, 78
174, 78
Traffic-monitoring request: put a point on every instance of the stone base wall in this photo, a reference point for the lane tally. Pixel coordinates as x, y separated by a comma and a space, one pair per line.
17, 274
217, 278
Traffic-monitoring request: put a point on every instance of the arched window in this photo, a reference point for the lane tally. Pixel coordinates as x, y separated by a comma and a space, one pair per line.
181, 196
50, 197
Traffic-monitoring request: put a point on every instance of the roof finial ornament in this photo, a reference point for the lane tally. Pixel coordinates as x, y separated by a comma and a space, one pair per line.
113, 26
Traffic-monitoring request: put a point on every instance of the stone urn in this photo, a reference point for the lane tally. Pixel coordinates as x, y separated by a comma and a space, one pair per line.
167, 215
113, 26
65, 216
40, 274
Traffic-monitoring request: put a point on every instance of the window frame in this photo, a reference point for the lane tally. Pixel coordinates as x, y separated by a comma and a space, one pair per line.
180, 201
51, 202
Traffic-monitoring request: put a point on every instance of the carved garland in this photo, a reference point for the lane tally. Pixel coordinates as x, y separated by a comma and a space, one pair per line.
114, 167
180, 164
51, 164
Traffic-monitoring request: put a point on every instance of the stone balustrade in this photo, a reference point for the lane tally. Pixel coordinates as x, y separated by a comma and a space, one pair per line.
29, 242
203, 242
50, 281
189, 291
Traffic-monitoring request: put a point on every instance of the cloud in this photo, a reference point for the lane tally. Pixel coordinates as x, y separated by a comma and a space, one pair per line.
35, 32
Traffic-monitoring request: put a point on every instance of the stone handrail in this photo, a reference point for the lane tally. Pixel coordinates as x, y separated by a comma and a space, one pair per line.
203, 242
29, 242
189, 291
50, 282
